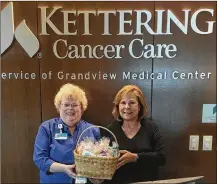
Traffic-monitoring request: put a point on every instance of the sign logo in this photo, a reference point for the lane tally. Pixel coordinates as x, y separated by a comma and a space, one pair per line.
22, 34
209, 113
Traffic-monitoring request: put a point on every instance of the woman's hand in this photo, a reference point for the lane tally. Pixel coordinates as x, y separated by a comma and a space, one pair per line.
58, 168
126, 157
96, 181
70, 170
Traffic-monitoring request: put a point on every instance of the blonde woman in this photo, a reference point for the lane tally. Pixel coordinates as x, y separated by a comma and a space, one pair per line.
140, 141
56, 138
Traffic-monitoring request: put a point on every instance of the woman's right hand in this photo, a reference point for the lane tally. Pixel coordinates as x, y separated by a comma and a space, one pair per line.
70, 170
126, 157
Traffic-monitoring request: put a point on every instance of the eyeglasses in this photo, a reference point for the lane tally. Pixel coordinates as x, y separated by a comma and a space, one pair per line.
74, 106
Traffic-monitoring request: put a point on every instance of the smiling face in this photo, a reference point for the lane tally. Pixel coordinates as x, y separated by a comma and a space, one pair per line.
70, 111
129, 107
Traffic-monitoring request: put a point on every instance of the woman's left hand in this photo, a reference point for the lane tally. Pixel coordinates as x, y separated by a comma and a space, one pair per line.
126, 157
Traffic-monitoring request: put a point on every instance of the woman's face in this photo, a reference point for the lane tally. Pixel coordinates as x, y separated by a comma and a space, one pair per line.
70, 111
129, 107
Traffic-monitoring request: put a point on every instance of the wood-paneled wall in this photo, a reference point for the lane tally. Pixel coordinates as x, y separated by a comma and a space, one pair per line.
175, 105
20, 106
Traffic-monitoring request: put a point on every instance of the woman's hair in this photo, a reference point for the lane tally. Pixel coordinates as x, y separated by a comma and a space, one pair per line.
72, 91
130, 89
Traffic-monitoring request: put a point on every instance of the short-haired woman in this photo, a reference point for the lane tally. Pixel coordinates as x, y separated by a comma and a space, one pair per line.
56, 138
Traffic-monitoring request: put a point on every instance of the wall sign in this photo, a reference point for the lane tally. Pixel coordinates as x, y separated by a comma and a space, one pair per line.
209, 113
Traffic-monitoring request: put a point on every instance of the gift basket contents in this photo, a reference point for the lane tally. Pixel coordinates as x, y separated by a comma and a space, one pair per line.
100, 148
96, 158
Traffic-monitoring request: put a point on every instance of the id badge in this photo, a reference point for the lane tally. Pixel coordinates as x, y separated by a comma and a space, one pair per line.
61, 136
80, 180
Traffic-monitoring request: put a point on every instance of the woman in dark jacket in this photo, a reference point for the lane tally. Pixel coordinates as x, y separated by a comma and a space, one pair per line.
140, 141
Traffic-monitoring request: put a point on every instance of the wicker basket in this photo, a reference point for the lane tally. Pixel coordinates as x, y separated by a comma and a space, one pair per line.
95, 167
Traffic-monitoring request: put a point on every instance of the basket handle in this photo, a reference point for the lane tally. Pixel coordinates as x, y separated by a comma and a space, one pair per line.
97, 126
